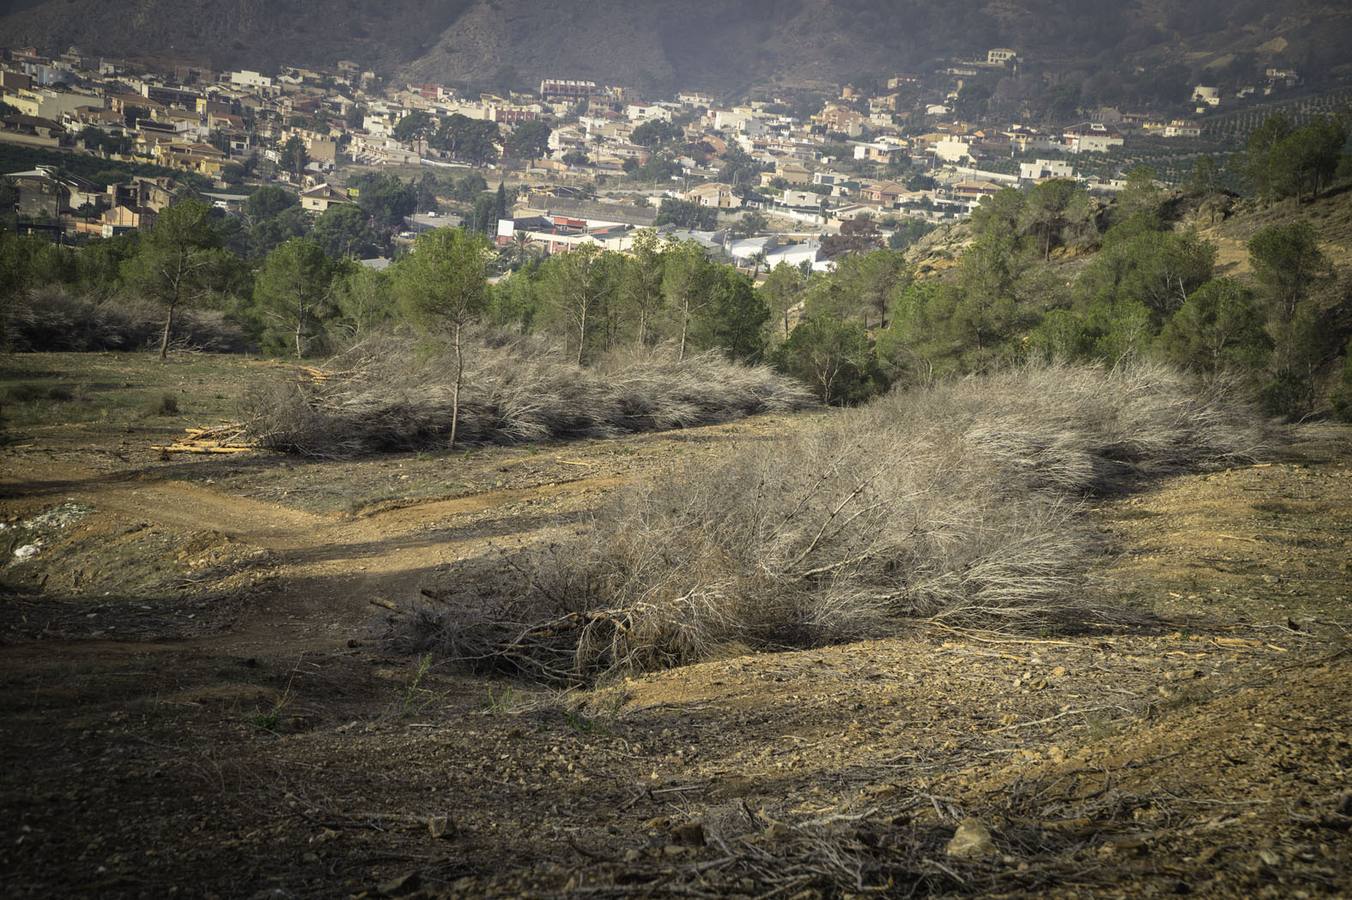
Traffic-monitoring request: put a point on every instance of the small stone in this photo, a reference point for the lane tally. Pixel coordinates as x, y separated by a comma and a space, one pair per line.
404, 884
690, 833
441, 827
1059, 672
971, 840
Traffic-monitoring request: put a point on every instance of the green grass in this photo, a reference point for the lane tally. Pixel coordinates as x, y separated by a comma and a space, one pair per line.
110, 393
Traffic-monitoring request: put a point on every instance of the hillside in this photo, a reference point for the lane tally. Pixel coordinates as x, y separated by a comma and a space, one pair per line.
193, 704
692, 43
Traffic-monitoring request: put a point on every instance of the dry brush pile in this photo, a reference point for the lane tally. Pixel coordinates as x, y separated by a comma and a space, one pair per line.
963, 503
52, 319
384, 396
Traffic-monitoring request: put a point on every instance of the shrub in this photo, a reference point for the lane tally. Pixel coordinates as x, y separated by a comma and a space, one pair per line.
51, 319
961, 503
167, 405
31, 393
385, 397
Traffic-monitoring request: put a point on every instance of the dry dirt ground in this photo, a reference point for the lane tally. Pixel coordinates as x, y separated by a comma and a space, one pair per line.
196, 702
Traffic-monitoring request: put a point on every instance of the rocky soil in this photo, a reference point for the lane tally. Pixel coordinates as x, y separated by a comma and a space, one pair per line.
196, 701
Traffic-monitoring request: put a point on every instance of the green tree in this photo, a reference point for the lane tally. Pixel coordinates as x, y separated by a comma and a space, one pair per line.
1288, 264
831, 355
1287, 261
749, 224
174, 263
686, 214
655, 133
416, 128
428, 188
293, 289
985, 313
484, 218
364, 300
514, 302
1282, 161
686, 286
268, 201
474, 141
295, 157
528, 141
1220, 326
574, 286
641, 285
1342, 391
1050, 208
386, 198
443, 286
266, 234
782, 290
1139, 264
873, 281
1205, 177
1141, 198
734, 318
344, 230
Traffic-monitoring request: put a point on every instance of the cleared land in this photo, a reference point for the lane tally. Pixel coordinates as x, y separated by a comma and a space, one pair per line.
195, 695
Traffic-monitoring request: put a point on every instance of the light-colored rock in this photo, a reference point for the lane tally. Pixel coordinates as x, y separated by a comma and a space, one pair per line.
972, 840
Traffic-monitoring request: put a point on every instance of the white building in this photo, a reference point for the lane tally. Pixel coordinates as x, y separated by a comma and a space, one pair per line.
1042, 169
639, 113
249, 79
1208, 96
1182, 128
952, 150
1092, 137
999, 56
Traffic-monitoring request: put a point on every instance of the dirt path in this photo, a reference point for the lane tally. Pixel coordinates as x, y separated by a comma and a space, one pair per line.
266, 754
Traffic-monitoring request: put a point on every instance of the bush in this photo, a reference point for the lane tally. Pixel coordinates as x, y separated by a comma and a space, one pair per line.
31, 393
167, 405
384, 397
51, 319
961, 503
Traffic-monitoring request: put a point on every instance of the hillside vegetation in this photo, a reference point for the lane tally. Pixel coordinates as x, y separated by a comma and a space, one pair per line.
698, 43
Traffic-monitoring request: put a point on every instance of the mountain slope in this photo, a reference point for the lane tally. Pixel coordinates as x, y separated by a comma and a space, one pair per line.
708, 44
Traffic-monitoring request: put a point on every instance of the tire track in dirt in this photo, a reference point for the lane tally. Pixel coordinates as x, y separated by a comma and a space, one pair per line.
323, 571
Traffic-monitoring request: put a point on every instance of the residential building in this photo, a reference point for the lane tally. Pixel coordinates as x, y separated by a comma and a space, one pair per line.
320, 198
1182, 128
1043, 169
1204, 95
1092, 137
718, 196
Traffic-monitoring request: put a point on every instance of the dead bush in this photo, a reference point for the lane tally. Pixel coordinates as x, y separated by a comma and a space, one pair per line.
383, 396
52, 319
962, 503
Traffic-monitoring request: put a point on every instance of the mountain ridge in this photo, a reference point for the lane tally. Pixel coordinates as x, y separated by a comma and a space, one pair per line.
703, 44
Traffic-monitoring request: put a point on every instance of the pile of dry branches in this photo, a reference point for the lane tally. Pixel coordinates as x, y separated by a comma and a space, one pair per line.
961, 503
382, 395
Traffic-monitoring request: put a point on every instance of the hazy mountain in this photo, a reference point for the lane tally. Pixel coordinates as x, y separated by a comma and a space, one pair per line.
711, 44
